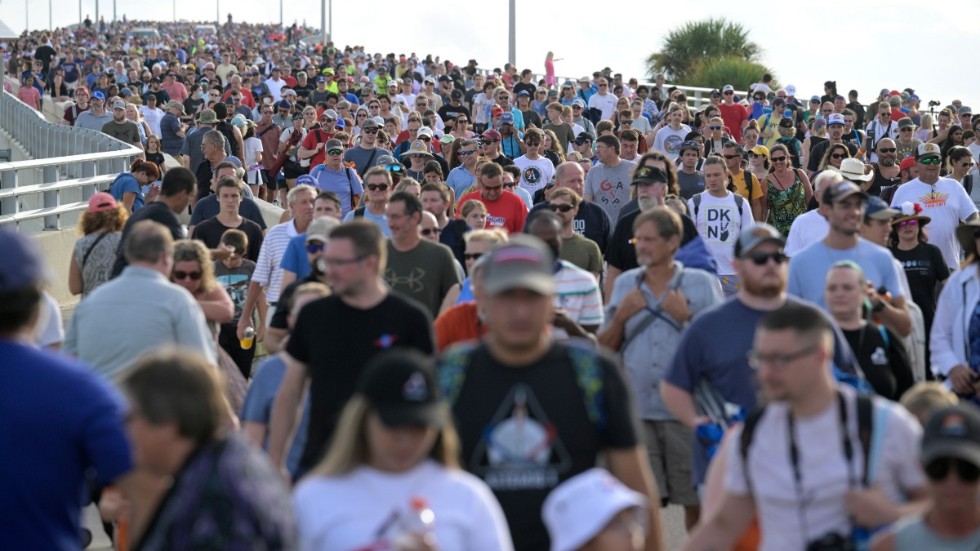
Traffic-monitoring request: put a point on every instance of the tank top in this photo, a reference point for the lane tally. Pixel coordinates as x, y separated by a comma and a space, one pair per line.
914, 535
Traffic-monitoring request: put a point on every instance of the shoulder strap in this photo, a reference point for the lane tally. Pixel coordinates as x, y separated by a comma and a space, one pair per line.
452, 371
884, 334
745, 441
865, 417
359, 212
697, 205
739, 201
747, 176
92, 248
267, 128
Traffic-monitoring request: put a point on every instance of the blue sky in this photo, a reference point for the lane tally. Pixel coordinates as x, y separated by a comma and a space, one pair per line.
861, 44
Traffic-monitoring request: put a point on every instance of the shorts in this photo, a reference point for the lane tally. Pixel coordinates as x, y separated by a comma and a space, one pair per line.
729, 284
669, 451
292, 170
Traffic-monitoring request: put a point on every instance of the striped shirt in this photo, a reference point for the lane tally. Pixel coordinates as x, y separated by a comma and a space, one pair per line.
577, 293
267, 273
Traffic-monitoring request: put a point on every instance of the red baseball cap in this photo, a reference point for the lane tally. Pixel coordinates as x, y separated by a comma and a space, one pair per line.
907, 163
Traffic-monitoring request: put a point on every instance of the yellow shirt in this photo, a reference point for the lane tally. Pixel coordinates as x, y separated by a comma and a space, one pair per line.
742, 189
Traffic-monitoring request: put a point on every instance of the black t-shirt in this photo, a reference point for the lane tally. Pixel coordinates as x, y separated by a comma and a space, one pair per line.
925, 268
531, 117
503, 160
621, 253
525, 429
204, 173
880, 182
211, 230
591, 221
156, 211
280, 319
450, 111
885, 365
335, 340
816, 153
452, 237
528, 86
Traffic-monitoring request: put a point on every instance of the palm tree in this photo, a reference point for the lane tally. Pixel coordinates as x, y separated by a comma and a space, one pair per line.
697, 42
714, 73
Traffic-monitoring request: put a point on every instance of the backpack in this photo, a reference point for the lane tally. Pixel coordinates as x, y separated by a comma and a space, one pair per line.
747, 176
739, 201
593, 114
350, 182
588, 374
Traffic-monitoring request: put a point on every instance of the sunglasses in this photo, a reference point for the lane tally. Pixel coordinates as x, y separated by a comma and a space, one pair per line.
626, 121
603, 86
490, 141
179, 275
461, 121
761, 259
561, 208
728, 93
730, 157
909, 129
839, 156
714, 127
430, 231
266, 112
939, 469
393, 168
777, 159
314, 247
377, 187
887, 150
465, 153
931, 161
966, 164
532, 142
370, 131
472, 256
335, 152
904, 223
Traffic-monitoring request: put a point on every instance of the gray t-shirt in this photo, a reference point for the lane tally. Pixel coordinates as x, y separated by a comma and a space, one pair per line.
87, 119
690, 183
126, 132
425, 273
610, 186
364, 159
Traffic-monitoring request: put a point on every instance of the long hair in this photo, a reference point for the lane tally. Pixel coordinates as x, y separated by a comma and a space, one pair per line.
825, 161
107, 220
893, 236
189, 250
349, 448
555, 145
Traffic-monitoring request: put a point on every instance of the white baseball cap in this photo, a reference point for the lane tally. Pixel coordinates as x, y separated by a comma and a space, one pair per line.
580, 507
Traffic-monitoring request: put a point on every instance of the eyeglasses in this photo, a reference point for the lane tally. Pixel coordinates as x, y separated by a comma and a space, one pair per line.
939, 469
839, 156
777, 159
887, 149
333, 152
465, 153
370, 131
315, 247
779, 361
904, 223
472, 256
931, 161
181, 275
560, 208
430, 231
761, 259
377, 187
714, 127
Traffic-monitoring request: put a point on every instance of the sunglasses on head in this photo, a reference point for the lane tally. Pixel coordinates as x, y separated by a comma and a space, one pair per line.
760, 259
377, 187
314, 247
179, 275
931, 161
940, 468
560, 208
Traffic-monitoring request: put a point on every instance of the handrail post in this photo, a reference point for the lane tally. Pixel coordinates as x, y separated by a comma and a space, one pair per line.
51, 198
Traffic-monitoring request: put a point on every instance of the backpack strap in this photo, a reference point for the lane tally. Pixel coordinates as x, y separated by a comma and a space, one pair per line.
865, 418
739, 202
884, 335
697, 205
747, 176
452, 370
359, 212
745, 441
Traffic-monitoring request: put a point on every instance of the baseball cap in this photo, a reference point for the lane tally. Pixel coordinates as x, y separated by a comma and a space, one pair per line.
426, 131
330, 114
400, 385
489, 134
333, 144
878, 209
523, 93
320, 79
953, 431
583, 137
283, 104
907, 163
965, 111
753, 236
840, 191
927, 150
790, 90
98, 95
835, 118
22, 262
760, 150
579, 508
496, 110
369, 123
727, 88
297, 116
649, 175
340, 123
525, 262
507, 118
118, 104
578, 102
905, 122
319, 229
815, 98
692, 145
456, 94
101, 202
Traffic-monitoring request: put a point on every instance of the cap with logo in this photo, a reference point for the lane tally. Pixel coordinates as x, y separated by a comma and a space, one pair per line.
119, 104
835, 118
425, 131
690, 145
490, 134
98, 95
400, 385
649, 175
840, 191
790, 90
496, 110
524, 262
905, 122
927, 150
506, 118
953, 431
753, 236
727, 88
581, 507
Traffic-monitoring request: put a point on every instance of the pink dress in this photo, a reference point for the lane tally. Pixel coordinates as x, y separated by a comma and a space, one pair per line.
549, 72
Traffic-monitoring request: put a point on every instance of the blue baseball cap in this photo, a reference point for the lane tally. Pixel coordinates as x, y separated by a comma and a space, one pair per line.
306, 179
340, 123
507, 118
98, 95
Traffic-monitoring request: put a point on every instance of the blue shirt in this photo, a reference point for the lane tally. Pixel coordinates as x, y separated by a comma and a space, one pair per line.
126, 183
808, 269
258, 406
58, 420
295, 259
381, 221
345, 183
460, 179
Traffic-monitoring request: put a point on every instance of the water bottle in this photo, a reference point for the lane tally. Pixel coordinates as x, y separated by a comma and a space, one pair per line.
417, 523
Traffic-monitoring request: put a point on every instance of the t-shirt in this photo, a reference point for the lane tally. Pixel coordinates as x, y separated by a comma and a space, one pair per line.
362, 158
314, 137
621, 253
235, 281
807, 228
345, 183
507, 212
460, 179
258, 406
88, 119
808, 269
924, 268
425, 273
525, 429
577, 293
126, 132
563, 131
534, 173
885, 363
267, 273
81, 419
360, 509
719, 224
335, 341
592, 222
722, 362
582, 252
668, 140
208, 207
823, 467
457, 324
295, 259
738, 180
211, 230
156, 211
946, 203
606, 103
734, 116
127, 183
690, 183
609, 187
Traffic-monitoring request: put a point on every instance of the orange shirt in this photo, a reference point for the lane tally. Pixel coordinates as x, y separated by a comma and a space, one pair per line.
458, 324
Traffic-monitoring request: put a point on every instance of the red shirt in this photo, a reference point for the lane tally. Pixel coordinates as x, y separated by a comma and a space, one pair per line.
734, 116
313, 137
507, 212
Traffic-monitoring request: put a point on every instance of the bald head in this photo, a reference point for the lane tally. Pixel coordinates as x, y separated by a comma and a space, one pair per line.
570, 175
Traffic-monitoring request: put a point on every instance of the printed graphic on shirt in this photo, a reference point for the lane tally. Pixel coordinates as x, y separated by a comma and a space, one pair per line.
719, 224
236, 285
609, 192
934, 199
532, 175
496, 221
413, 281
879, 357
385, 341
520, 449
673, 143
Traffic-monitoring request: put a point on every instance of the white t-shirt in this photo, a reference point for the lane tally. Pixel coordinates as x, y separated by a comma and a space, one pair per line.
360, 510
606, 104
807, 229
880, 131
975, 151
253, 145
823, 468
719, 225
668, 140
534, 174
946, 203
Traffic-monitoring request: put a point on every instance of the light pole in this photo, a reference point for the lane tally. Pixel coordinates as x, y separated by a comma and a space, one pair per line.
326, 10
512, 43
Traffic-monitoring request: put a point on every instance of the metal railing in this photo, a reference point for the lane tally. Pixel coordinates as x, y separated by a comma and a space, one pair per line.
68, 166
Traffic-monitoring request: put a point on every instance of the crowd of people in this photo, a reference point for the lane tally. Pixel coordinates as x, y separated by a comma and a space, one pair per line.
497, 312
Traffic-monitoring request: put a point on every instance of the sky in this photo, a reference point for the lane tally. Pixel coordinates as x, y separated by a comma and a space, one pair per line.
862, 44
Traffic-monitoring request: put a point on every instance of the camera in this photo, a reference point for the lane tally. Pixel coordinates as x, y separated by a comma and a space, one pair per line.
831, 542
934, 103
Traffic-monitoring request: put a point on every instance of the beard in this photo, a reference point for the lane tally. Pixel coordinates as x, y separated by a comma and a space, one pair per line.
886, 161
646, 203
764, 289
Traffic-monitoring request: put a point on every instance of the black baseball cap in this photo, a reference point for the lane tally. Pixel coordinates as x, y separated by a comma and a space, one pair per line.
953, 431
400, 384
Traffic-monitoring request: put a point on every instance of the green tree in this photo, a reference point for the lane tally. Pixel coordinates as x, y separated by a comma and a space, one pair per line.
698, 42
715, 73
